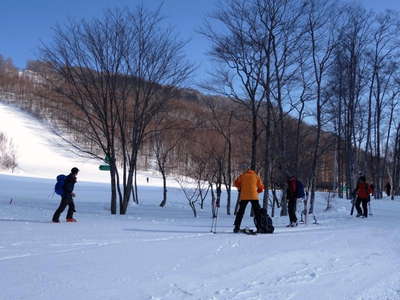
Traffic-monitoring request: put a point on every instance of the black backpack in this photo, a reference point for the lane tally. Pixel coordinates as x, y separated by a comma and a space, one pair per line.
300, 189
263, 222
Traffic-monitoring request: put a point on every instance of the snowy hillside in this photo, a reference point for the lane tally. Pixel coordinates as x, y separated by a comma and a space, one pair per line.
164, 253
42, 154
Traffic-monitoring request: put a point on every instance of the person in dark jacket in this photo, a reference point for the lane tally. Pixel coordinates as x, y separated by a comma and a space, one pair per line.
362, 192
67, 198
388, 188
291, 195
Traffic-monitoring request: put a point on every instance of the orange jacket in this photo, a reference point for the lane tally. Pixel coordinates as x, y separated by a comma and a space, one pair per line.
249, 184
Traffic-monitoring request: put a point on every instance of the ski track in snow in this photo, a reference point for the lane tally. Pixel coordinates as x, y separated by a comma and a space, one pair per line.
67, 248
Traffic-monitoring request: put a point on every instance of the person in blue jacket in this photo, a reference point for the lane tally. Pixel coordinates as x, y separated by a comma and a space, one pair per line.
67, 197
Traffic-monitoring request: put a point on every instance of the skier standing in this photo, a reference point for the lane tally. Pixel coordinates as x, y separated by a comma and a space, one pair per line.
362, 192
249, 186
291, 195
388, 188
67, 197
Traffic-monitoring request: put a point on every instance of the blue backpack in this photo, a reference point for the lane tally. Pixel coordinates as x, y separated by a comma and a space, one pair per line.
300, 189
59, 187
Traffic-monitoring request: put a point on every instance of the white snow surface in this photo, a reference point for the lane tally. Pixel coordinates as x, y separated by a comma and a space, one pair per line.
166, 253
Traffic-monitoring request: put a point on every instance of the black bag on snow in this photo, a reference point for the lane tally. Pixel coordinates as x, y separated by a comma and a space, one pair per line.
264, 222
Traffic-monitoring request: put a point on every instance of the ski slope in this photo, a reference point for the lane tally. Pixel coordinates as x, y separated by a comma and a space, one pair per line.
165, 253
42, 154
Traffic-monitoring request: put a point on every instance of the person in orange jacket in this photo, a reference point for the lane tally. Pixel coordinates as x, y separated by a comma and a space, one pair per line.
249, 186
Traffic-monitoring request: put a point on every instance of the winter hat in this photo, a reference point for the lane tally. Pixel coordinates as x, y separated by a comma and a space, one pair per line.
74, 170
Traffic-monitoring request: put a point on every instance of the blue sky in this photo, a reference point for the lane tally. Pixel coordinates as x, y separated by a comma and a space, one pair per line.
23, 23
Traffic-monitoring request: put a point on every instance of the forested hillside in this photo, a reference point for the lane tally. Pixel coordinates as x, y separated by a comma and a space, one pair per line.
315, 95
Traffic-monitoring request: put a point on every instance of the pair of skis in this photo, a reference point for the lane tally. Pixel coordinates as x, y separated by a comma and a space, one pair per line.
248, 231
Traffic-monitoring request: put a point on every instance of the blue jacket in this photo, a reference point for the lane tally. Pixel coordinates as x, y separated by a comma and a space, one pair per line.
69, 184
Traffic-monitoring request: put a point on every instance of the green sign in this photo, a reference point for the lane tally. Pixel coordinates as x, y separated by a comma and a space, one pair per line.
104, 168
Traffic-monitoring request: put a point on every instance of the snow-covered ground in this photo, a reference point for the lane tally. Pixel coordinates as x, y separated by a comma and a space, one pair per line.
165, 253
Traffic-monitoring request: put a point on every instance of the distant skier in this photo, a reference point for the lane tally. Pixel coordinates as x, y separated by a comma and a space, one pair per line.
67, 197
249, 185
291, 194
388, 188
362, 192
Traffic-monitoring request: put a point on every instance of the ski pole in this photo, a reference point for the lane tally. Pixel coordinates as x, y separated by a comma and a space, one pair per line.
369, 207
352, 205
212, 224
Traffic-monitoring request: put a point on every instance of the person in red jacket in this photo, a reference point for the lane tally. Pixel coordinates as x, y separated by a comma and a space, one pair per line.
291, 195
249, 186
362, 192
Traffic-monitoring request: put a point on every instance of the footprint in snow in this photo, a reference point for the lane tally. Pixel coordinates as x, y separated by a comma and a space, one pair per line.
224, 291
298, 277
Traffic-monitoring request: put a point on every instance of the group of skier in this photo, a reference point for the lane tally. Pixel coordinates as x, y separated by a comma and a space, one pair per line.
249, 185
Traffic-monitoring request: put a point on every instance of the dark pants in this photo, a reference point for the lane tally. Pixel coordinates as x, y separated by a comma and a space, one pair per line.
292, 210
364, 203
63, 205
242, 207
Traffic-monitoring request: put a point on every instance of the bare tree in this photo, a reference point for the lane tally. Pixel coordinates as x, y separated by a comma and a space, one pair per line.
239, 58
8, 153
349, 66
110, 71
321, 19
86, 67
221, 119
157, 79
167, 136
396, 164
280, 33
382, 92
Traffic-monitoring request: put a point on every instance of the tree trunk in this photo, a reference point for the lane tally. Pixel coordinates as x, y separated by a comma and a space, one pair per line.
164, 201
113, 190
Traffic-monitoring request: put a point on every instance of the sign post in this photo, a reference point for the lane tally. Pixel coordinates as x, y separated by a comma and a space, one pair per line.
104, 168
107, 166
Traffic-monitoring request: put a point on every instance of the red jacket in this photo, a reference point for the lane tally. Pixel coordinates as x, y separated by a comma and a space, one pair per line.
363, 190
